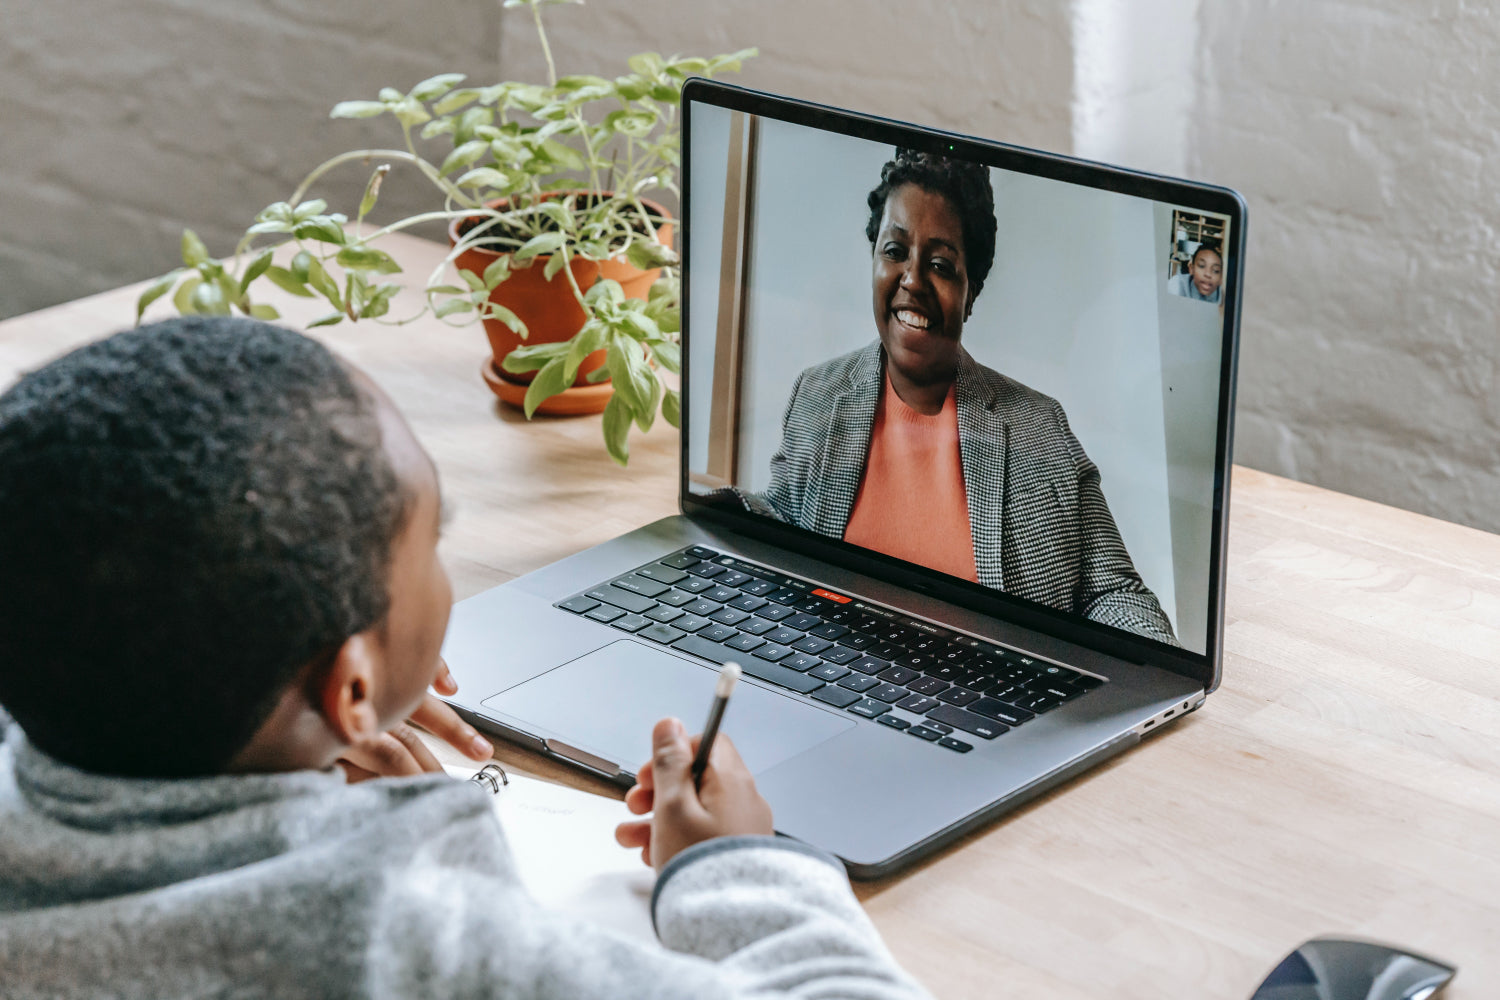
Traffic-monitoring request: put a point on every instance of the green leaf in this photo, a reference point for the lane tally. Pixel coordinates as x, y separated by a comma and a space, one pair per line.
264, 313
605, 290
585, 342
278, 211
483, 177
668, 355
302, 265
308, 209
331, 319
548, 382
208, 299
617, 428
287, 282
533, 356
437, 127
455, 305
632, 123
445, 290
474, 281
229, 289
390, 95
464, 155
495, 310
580, 80
671, 407
631, 88
456, 100
321, 228
545, 243
193, 250
647, 64
255, 270
648, 255
434, 87
157, 289
638, 325
497, 271
409, 113
320, 280
645, 418
622, 358
731, 63
555, 263
558, 213
367, 259
261, 228
380, 300
372, 189
183, 299
358, 109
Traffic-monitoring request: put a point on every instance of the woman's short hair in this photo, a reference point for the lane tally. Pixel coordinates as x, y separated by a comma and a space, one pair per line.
966, 185
1211, 247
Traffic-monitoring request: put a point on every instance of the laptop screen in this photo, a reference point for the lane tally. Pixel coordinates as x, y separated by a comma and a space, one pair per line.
1005, 367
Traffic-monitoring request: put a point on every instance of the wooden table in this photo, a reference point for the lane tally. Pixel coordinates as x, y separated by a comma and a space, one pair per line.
1344, 780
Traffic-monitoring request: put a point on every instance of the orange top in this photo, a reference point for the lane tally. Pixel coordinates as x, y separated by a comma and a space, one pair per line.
911, 503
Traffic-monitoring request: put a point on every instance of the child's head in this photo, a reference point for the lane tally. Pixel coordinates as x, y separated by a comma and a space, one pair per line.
1206, 269
197, 517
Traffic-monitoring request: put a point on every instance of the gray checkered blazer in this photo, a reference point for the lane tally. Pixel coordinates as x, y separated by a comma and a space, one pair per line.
1042, 529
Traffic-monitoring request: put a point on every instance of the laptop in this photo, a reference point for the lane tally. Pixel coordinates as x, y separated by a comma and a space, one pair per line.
956, 424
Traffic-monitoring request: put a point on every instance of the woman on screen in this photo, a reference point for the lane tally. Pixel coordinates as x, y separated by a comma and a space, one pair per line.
912, 448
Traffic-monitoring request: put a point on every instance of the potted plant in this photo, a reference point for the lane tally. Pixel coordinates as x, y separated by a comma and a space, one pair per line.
559, 250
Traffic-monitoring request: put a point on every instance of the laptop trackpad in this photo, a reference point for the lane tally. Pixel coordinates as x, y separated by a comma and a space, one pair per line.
606, 702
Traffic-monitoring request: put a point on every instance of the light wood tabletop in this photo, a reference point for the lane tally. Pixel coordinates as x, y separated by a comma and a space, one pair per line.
1345, 779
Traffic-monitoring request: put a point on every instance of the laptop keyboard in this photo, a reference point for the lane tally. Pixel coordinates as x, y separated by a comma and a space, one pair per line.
907, 674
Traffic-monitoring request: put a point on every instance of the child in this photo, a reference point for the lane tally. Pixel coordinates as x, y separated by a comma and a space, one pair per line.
1204, 276
218, 577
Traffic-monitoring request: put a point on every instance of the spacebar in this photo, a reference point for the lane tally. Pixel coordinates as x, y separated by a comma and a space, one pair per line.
720, 653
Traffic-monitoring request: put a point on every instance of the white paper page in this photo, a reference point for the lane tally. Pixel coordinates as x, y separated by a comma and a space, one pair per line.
564, 845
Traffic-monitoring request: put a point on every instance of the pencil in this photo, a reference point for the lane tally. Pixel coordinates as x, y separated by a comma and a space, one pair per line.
727, 678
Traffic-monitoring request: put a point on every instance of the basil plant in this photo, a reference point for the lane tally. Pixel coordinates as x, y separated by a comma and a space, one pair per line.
499, 158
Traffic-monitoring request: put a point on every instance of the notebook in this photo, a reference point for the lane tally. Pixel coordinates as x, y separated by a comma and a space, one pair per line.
563, 842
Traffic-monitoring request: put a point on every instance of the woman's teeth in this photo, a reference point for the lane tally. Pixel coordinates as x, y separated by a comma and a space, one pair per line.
912, 319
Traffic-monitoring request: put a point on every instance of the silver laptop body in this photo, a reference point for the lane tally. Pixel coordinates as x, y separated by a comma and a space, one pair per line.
1092, 256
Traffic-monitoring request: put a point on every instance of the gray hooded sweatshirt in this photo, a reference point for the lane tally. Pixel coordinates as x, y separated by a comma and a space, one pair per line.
299, 885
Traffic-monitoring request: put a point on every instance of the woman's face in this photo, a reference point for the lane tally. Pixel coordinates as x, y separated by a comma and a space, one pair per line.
921, 284
1207, 272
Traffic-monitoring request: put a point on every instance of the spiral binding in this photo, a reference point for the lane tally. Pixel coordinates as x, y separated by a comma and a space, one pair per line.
492, 775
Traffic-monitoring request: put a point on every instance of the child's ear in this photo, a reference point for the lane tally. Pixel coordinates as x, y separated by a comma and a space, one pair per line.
346, 694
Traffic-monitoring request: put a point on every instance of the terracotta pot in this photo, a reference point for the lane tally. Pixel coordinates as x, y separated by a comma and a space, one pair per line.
553, 315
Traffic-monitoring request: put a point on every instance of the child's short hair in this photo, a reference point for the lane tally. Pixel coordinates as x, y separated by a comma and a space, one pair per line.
190, 512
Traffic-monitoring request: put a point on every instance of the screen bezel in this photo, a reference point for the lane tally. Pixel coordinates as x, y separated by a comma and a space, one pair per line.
1205, 667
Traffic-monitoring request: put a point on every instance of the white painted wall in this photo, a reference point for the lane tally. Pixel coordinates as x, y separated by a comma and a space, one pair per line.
1364, 134
1366, 137
124, 121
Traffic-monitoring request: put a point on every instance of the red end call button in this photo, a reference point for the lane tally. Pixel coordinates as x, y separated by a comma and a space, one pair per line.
820, 592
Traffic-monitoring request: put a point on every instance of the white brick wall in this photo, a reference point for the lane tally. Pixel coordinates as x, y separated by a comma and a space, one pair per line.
1366, 137
1363, 133
122, 121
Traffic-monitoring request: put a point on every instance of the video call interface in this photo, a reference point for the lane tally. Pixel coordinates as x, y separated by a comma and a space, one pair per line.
1009, 379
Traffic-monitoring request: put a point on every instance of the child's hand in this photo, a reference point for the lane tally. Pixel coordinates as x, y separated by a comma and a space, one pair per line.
401, 751
725, 805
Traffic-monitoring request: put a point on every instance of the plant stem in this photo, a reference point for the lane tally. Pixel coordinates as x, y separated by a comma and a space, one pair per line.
536, 13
